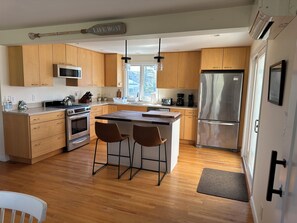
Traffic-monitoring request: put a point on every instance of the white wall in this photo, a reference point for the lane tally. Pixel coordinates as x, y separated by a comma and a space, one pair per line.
274, 125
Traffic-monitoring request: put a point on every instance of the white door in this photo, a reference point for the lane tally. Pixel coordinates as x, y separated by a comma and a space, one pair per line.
254, 124
254, 112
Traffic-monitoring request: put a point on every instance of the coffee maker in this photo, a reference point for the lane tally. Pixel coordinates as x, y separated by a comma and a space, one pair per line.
190, 100
180, 99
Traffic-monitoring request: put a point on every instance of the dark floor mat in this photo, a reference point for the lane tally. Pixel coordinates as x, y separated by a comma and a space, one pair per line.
223, 184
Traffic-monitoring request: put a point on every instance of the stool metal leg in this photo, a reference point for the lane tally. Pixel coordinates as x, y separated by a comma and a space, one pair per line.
141, 166
94, 160
119, 163
132, 165
165, 156
159, 163
120, 155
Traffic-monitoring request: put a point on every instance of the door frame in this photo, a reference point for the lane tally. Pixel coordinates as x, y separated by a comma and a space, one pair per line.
249, 106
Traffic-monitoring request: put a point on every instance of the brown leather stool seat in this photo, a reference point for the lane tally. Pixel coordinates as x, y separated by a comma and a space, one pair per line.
110, 133
149, 136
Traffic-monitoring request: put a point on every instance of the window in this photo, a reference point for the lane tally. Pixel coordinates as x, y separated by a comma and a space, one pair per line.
141, 82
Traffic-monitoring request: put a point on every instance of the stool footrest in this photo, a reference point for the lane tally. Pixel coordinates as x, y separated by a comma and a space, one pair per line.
163, 161
111, 154
100, 168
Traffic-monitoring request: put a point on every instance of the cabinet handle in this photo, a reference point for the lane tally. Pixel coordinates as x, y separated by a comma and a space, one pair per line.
35, 128
35, 119
273, 164
44, 84
37, 144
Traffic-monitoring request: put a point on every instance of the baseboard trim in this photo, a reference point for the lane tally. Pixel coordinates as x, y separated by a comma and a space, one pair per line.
254, 212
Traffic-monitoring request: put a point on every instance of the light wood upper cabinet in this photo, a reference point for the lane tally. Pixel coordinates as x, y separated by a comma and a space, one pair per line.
71, 55
30, 65
84, 60
233, 58
98, 69
188, 70
167, 78
46, 65
59, 54
113, 70
180, 70
212, 59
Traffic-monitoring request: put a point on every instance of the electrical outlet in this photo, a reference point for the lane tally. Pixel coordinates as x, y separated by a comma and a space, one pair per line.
12, 99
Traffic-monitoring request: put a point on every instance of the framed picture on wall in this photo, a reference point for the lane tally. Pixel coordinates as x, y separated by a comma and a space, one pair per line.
277, 73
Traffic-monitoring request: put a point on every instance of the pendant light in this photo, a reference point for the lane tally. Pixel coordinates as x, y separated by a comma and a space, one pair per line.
159, 58
126, 59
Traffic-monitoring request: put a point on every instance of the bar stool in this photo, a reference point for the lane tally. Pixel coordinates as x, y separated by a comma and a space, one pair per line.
110, 133
148, 136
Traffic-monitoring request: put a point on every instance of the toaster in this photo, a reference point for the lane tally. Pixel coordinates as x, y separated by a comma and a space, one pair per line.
167, 101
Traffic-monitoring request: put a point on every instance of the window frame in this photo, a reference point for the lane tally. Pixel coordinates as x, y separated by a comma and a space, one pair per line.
141, 93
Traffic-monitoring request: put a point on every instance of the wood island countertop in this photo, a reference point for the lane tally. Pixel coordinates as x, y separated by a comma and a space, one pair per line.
135, 116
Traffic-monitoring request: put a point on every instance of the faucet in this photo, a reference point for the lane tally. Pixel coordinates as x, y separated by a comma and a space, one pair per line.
137, 97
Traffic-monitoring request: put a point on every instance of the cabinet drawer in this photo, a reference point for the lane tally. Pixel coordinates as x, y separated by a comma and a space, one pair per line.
191, 112
47, 129
44, 146
47, 117
97, 108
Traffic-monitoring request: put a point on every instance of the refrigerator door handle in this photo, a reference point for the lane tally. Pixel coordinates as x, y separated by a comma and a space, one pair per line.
219, 123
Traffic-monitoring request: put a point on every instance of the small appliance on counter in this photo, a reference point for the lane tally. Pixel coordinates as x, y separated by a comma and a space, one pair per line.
167, 101
190, 100
86, 98
22, 106
180, 99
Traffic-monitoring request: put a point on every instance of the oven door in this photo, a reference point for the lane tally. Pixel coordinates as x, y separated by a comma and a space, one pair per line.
78, 125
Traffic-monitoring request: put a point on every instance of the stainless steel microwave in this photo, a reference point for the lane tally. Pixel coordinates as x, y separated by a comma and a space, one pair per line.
67, 71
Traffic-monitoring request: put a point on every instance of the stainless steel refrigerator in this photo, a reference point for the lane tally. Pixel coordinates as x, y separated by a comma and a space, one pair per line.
219, 109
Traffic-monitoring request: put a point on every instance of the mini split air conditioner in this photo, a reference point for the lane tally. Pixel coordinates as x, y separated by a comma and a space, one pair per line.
271, 17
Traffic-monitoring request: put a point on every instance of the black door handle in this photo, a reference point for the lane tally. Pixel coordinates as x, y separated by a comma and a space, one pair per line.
256, 127
273, 164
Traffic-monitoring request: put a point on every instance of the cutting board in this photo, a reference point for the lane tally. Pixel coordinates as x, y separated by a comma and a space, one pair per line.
161, 114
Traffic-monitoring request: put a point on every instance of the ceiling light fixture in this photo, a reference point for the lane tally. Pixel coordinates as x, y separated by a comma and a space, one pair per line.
126, 59
159, 58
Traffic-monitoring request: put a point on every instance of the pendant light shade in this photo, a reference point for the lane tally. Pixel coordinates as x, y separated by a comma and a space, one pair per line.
159, 58
126, 59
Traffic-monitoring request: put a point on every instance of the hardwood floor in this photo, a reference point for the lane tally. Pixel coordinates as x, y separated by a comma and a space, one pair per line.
73, 195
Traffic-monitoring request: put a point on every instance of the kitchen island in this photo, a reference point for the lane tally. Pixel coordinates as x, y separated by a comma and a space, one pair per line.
168, 124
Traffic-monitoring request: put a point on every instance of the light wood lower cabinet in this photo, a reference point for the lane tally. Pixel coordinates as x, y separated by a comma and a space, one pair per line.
190, 131
30, 139
182, 121
95, 111
188, 123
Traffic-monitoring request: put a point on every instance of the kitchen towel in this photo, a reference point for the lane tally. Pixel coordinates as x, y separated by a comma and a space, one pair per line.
223, 184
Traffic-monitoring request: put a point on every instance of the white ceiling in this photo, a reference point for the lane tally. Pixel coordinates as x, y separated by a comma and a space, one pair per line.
238, 37
15, 14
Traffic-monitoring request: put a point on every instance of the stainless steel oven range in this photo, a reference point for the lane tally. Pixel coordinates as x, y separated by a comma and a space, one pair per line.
77, 123
77, 126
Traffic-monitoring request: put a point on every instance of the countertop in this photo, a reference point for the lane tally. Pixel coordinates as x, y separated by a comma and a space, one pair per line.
142, 105
135, 116
41, 110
